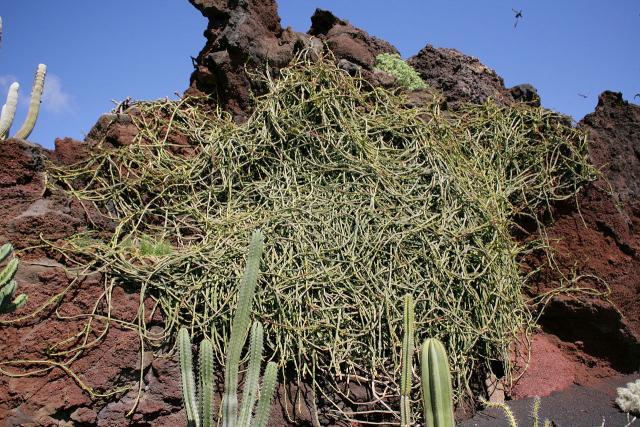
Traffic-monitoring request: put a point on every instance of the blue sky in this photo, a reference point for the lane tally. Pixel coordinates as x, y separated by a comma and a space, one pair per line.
102, 51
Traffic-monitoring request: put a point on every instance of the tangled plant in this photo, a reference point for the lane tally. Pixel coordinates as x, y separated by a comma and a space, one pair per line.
363, 200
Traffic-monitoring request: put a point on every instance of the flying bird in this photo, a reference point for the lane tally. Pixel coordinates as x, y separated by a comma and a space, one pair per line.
583, 95
518, 16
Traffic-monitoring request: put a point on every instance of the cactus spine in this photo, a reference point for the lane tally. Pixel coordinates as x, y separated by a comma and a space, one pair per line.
9, 110
200, 412
7, 284
34, 105
437, 398
406, 362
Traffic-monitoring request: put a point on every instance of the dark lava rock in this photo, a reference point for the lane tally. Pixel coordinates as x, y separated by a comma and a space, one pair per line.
348, 42
614, 144
241, 35
526, 93
460, 77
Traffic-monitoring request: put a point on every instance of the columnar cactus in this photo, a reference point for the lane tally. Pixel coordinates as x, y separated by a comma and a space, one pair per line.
9, 108
34, 104
239, 330
406, 362
201, 413
437, 396
7, 284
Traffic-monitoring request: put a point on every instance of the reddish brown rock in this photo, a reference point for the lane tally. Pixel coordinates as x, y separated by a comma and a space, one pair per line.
460, 77
243, 35
599, 327
348, 42
548, 369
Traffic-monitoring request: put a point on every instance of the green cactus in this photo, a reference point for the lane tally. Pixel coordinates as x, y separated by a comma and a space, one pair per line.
437, 397
201, 413
239, 330
9, 108
187, 378
406, 362
34, 104
7, 284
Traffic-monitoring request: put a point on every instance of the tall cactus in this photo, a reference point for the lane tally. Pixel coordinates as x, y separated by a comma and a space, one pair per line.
239, 330
406, 362
9, 109
7, 284
437, 398
34, 104
200, 413
188, 382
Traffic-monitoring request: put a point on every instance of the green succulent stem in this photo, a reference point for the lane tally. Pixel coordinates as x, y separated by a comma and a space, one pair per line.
200, 413
34, 104
266, 395
8, 286
437, 397
187, 378
252, 378
406, 362
205, 366
239, 330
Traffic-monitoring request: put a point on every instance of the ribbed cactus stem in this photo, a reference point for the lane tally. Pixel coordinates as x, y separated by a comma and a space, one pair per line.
6, 292
9, 110
5, 250
205, 367
8, 286
7, 273
252, 378
437, 397
266, 394
188, 381
239, 328
406, 362
34, 104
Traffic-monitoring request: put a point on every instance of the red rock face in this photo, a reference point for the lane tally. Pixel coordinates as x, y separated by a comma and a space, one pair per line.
28, 212
599, 334
585, 338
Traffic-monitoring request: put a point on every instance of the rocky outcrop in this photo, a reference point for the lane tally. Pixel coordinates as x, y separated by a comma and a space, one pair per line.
589, 334
245, 38
463, 78
599, 327
29, 213
242, 36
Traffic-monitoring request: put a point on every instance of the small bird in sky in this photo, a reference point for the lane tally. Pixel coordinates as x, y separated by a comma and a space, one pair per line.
583, 95
518, 16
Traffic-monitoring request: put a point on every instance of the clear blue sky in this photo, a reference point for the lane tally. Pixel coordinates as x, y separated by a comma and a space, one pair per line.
99, 51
